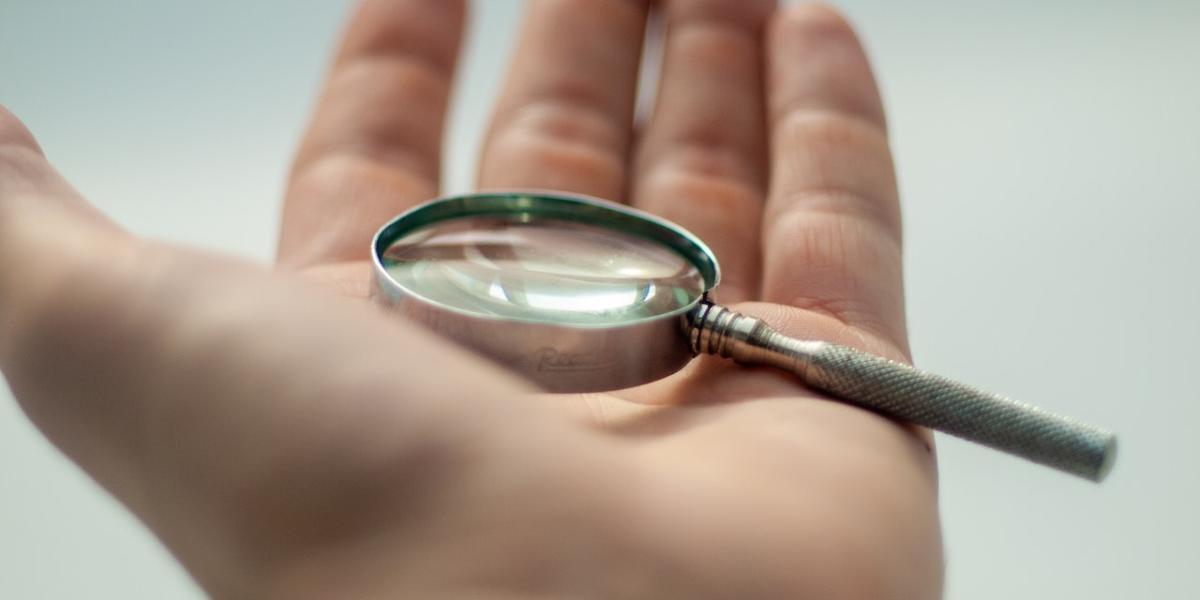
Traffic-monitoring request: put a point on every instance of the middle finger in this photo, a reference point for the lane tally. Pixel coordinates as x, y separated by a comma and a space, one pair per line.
563, 121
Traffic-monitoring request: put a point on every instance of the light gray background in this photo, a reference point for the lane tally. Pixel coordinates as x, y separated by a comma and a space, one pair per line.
1049, 155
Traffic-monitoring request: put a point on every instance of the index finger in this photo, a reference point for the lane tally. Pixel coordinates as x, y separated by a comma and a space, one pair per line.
375, 141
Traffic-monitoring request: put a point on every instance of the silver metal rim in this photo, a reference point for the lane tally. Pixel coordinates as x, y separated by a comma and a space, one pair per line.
542, 204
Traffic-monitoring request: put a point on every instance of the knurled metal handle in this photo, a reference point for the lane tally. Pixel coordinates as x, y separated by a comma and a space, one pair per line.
907, 394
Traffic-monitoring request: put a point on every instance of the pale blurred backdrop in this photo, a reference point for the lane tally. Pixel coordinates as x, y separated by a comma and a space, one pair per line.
1049, 157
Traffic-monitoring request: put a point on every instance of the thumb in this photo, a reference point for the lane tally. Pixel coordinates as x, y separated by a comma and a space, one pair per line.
44, 223
29, 185
237, 412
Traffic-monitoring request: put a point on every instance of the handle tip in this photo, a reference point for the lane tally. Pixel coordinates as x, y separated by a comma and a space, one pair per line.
1108, 459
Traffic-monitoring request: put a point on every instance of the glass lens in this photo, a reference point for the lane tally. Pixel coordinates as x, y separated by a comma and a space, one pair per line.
545, 270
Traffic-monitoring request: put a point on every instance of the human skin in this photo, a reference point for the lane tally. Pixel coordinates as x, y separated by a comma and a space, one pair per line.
285, 439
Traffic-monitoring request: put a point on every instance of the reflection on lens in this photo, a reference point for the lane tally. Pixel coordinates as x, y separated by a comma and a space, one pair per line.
543, 270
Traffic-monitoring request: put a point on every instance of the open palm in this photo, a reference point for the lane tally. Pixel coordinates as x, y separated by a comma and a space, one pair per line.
286, 442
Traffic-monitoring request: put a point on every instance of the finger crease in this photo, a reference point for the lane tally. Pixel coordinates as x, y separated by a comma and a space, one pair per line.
839, 202
567, 122
390, 151
711, 162
803, 111
431, 61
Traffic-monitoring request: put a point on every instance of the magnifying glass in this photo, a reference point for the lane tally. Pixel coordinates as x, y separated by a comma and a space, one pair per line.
581, 295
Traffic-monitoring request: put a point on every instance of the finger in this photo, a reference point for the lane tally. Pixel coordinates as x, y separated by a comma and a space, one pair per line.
563, 121
34, 199
14, 134
28, 184
374, 144
831, 232
702, 159
242, 417
246, 420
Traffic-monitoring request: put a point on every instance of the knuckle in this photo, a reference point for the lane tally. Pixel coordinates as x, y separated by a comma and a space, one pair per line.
376, 132
14, 133
687, 196
19, 166
538, 162
832, 228
805, 124
836, 162
570, 146
566, 119
880, 215
347, 162
398, 75
702, 162
427, 30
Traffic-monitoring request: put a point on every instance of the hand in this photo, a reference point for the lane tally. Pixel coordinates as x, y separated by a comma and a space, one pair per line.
288, 442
